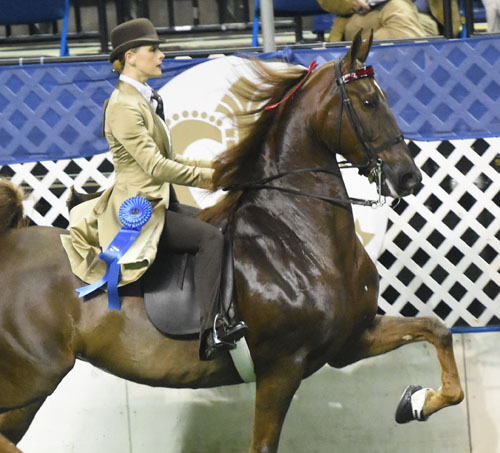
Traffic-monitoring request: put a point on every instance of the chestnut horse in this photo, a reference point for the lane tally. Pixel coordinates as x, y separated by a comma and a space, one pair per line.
304, 283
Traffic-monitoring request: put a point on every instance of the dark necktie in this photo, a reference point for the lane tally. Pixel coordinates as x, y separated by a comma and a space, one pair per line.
159, 105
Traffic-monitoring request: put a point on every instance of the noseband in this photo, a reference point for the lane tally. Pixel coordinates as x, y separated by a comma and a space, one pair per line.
373, 166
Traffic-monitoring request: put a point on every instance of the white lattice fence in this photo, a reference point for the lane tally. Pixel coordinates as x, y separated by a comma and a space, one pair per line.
442, 247
48, 184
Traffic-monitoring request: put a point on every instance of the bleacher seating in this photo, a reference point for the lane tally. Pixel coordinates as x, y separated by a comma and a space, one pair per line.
288, 8
26, 12
322, 24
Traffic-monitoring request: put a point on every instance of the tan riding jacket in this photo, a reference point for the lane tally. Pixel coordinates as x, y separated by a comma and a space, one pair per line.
345, 8
145, 165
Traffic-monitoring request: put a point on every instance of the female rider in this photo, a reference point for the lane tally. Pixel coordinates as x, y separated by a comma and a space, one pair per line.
146, 165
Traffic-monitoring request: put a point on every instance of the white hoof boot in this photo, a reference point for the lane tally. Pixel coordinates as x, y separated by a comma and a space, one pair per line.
411, 405
417, 404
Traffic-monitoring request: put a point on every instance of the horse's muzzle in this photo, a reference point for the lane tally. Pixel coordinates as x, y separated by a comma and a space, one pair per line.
400, 181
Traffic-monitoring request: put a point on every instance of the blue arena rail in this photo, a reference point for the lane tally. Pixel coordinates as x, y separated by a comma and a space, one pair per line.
438, 90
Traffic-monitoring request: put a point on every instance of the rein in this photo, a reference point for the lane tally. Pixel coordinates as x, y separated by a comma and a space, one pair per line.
263, 184
370, 151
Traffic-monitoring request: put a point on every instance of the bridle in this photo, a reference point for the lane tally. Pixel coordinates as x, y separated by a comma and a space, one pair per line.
341, 80
373, 166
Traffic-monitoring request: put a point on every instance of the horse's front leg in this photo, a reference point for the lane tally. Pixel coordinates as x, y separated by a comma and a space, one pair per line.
388, 333
274, 392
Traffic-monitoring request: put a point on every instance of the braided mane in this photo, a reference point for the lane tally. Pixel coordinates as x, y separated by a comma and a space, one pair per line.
237, 163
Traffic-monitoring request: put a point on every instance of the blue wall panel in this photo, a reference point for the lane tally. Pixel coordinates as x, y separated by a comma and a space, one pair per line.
54, 111
438, 90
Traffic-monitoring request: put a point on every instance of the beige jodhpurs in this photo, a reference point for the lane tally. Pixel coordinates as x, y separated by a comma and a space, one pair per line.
394, 19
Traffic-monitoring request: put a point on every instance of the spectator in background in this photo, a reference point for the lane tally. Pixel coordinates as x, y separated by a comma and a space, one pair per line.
492, 8
389, 19
131, 9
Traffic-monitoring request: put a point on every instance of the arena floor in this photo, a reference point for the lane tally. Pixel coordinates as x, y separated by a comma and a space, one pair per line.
348, 410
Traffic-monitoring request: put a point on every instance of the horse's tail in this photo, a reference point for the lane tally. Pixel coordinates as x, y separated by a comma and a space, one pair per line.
11, 206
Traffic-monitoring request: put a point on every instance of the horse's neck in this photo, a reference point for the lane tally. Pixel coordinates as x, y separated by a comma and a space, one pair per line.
290, 150
303, 151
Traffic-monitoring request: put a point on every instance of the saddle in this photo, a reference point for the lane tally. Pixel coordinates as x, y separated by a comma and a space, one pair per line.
168, 286
168, 289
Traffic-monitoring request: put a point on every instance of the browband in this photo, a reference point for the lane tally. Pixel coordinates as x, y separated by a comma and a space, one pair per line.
365, 71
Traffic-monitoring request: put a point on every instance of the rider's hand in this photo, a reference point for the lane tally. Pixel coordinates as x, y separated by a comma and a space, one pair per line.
362, 6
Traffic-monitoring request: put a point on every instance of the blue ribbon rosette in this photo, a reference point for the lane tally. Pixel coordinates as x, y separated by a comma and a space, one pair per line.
134, 213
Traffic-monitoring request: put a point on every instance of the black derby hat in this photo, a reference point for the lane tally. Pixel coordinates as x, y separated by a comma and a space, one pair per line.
130, 34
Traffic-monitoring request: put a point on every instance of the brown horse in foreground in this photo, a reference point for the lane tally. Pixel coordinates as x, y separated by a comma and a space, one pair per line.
304, 284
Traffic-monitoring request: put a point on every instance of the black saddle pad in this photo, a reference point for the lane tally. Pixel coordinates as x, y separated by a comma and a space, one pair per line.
169, 295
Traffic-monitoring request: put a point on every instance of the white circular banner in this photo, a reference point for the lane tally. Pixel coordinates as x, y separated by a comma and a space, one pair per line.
198, 106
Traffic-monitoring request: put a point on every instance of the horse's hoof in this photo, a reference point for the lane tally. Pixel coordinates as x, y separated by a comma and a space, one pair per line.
411, 405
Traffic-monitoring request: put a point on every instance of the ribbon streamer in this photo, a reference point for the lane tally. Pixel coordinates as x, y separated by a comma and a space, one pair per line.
134, 213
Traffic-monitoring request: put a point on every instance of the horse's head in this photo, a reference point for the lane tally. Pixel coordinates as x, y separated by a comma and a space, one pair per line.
340, 110
358, 123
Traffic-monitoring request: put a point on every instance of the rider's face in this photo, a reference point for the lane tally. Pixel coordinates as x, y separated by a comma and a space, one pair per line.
145, 62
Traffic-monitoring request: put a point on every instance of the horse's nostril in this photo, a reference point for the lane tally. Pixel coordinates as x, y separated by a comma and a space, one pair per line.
410, 180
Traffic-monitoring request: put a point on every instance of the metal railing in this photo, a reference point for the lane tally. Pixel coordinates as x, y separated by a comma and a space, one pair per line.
226, 22
35, 34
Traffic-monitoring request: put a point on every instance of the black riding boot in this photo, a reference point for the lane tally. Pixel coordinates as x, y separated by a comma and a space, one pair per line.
227, 329
222, 337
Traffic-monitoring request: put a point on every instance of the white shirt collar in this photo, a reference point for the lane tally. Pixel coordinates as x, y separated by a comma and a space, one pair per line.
143, 88
146, 91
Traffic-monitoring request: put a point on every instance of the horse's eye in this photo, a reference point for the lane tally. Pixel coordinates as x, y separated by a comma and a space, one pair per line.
369, 103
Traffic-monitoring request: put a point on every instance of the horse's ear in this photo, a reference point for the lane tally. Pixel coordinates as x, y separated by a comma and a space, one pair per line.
365, 48
352, 53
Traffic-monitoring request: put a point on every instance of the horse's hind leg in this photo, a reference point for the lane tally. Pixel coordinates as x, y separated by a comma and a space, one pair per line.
388, 333
25, 384
6, 446
15, 423
13, 426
